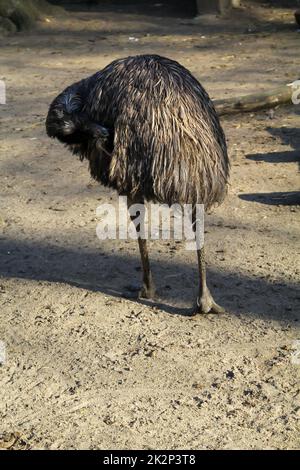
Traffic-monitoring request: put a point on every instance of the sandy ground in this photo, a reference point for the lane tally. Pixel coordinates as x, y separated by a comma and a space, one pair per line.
88, 368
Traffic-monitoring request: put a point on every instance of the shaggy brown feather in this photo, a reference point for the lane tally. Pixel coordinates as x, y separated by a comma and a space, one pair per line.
165, 140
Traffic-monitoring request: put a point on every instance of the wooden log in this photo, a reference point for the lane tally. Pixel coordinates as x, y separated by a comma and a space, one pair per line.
256, 101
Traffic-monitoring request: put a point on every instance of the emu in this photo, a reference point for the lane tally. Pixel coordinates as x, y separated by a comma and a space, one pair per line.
149, 130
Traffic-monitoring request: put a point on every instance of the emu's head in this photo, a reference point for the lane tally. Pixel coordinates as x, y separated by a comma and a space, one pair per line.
69, 123
60, 122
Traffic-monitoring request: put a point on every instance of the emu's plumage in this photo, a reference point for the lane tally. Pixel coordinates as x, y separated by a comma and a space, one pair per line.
165, 141
149, 130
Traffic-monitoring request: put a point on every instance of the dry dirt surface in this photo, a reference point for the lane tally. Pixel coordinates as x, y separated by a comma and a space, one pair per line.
88, 367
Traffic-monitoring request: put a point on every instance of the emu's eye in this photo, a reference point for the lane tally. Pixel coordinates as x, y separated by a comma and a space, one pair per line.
59, 113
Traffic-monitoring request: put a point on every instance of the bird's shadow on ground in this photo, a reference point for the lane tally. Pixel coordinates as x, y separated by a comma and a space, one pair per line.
109, 273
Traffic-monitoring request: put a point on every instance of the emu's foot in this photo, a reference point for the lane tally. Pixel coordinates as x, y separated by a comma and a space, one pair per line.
134, 291
147, 292
206, 304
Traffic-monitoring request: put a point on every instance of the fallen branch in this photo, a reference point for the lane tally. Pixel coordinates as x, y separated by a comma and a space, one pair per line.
256, 101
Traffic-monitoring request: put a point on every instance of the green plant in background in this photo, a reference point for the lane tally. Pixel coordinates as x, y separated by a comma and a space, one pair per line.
18, 15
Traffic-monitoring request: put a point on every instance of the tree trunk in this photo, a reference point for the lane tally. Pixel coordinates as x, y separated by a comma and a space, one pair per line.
255, 101
17, 15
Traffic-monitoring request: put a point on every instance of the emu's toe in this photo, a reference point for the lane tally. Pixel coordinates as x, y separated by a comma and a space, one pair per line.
135, 291
146, 292
206, 304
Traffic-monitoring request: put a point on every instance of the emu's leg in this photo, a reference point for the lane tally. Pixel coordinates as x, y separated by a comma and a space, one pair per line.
148, 290
205, 301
